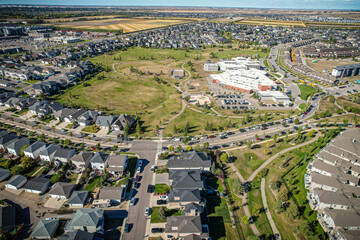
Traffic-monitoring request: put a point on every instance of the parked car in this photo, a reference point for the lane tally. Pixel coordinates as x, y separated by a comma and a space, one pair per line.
147, 211
126, 228
157, 230
150, 188
137, 178
161, 202
163, 197
153, 168
138, 170
140, 163
132, 201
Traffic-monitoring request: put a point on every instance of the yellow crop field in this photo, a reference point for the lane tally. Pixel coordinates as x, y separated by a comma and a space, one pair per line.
126, 24
272, 22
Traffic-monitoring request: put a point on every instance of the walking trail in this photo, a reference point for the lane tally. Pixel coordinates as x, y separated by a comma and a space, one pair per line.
251, 178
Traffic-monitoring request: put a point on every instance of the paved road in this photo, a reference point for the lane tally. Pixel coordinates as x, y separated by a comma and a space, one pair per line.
268, 214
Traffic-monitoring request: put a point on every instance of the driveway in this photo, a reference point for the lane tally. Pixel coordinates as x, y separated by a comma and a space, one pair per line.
102, 132
162, 179
54, 203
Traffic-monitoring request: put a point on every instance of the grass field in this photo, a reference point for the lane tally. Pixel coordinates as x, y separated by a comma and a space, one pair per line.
272, 22
125, 24
306, 91
348, 105
168, 212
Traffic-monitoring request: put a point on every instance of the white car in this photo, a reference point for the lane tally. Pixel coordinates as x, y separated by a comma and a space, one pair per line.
147, 211
138, 170
163, 197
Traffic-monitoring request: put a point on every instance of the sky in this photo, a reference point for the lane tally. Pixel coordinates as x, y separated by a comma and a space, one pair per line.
292, 4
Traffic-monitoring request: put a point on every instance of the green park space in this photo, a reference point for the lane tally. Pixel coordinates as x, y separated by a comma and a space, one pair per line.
306, 91
348, 105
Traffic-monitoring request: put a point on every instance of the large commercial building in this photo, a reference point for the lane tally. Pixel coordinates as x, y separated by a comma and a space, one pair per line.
333, 180
346, 70
243, 75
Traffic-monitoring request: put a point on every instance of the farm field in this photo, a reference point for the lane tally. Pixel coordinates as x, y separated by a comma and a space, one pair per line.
323, 64
272, 22
56, 20
125, 24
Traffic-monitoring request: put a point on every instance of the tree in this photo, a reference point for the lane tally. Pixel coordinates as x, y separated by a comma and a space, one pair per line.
275, 136
292, 212
67, 142
185, 140
70, 134
126, 129
238, 188
186, 128
22, 150
305, 228
55, 178
175, 130
311, 133
249, 144
206, 145
138, 128
16, 170
279, 207
263, 172
296, 121
109, 139
4, 235
224, 158
188, 148
283, 195
162, 213
245, 220
345, 122
171, 148
178, 148
27, 162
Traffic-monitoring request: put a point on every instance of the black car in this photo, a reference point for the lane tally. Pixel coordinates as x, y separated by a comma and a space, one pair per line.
150, 188
126, 228
160, 202
157, 230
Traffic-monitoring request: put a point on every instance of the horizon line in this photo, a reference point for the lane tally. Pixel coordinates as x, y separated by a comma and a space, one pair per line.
164, 6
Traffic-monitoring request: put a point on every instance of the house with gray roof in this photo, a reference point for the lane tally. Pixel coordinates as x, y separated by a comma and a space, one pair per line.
117, 164
63, 113
320, 199
37, 185
192, 209
82, 159
34, 149
186, 179
99, 161
334, 219
105, 121
114, 194
45, 229
77, 235
182, 226
120, 123
87, 118
78, 199
71, 118
47, 155
190, 160
7, 138
15, 145
64, 155
7, 217
180, 197
61, 190
4, 174
89, 220
16, 182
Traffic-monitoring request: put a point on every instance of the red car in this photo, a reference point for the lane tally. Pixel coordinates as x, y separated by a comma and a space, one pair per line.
137, 178
212, 136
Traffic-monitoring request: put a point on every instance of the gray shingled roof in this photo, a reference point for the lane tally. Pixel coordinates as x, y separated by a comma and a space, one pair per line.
35, 146
7, 217
186, 179
82, 157
62, 189
17, 181
50, 149
112, 193
190, 159
45, 228
343, 218
36, 183
99, 157
87, 217
184, 224
78, 197
185, 195
4, 174
77, 235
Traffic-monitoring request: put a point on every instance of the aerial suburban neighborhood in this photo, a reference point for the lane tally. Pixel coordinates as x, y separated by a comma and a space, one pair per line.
180, 120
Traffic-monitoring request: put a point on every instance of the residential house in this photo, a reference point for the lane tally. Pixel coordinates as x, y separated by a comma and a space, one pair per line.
15, 145
71, 118
192, 209
63, 113
181, 197
45, 229
117, 164
334, 219
183, 226
64, 155
87, 118
89, 220
16, 182
186, 179
105, 121
320, 199
99, 161
34, 149
7, 138
61, 190
78, 199
120, 123
77, 235
4, 174
190, 160
47, 155
82, 159
114, 194
7, 217
37, 185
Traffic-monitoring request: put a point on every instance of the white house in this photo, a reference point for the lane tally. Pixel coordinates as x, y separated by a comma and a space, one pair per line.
99, 161
64, 154
34, 149
16, 182
47, 155
37, 185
